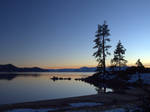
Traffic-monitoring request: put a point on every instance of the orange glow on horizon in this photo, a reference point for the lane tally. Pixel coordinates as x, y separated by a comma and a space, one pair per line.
77, 66
67, 67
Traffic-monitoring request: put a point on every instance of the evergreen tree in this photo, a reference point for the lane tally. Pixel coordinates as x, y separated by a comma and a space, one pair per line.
102, 48
140, 68
119, 53
139, 64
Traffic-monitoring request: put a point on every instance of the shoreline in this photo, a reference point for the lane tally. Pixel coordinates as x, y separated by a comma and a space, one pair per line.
109, 100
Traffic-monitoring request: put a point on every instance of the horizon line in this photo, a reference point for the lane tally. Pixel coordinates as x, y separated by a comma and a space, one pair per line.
66, 67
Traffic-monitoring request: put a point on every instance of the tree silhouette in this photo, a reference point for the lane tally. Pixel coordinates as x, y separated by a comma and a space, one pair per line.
140, 68
118, 59
102, 48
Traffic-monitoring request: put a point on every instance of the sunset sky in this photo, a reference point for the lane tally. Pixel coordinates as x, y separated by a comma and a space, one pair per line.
60, 33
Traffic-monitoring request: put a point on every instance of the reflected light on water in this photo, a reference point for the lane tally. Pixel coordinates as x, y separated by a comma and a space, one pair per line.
38, 86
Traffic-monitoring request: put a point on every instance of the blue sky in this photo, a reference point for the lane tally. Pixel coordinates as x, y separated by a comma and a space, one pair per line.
60, 33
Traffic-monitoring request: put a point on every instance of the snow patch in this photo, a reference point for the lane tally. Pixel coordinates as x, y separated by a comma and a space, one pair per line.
131, 109
145, 77
111, 110
115, 110
82, 104
32, 110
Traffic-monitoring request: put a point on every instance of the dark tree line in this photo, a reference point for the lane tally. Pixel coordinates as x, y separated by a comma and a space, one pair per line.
101, 53
102, 47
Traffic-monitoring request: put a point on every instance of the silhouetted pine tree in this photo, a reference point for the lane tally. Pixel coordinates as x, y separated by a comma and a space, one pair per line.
140, 68
102, 48
119, 53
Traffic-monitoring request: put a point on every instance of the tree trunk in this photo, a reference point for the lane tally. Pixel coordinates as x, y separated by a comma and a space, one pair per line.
119, 63
104, 66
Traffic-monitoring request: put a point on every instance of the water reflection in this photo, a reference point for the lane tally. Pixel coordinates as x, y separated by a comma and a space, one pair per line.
100, 88
11, 76
25, 87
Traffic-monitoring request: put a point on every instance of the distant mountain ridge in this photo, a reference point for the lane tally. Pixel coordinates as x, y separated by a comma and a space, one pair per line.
82, 69
13, 68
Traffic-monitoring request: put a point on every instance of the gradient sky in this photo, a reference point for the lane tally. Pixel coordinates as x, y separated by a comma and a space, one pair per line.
60, 33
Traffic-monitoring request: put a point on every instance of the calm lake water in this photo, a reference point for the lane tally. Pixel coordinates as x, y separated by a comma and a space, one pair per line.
24, 87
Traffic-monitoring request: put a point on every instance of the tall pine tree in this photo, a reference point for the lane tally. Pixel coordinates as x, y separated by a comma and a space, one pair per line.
118, 59
102, 48
140, 68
